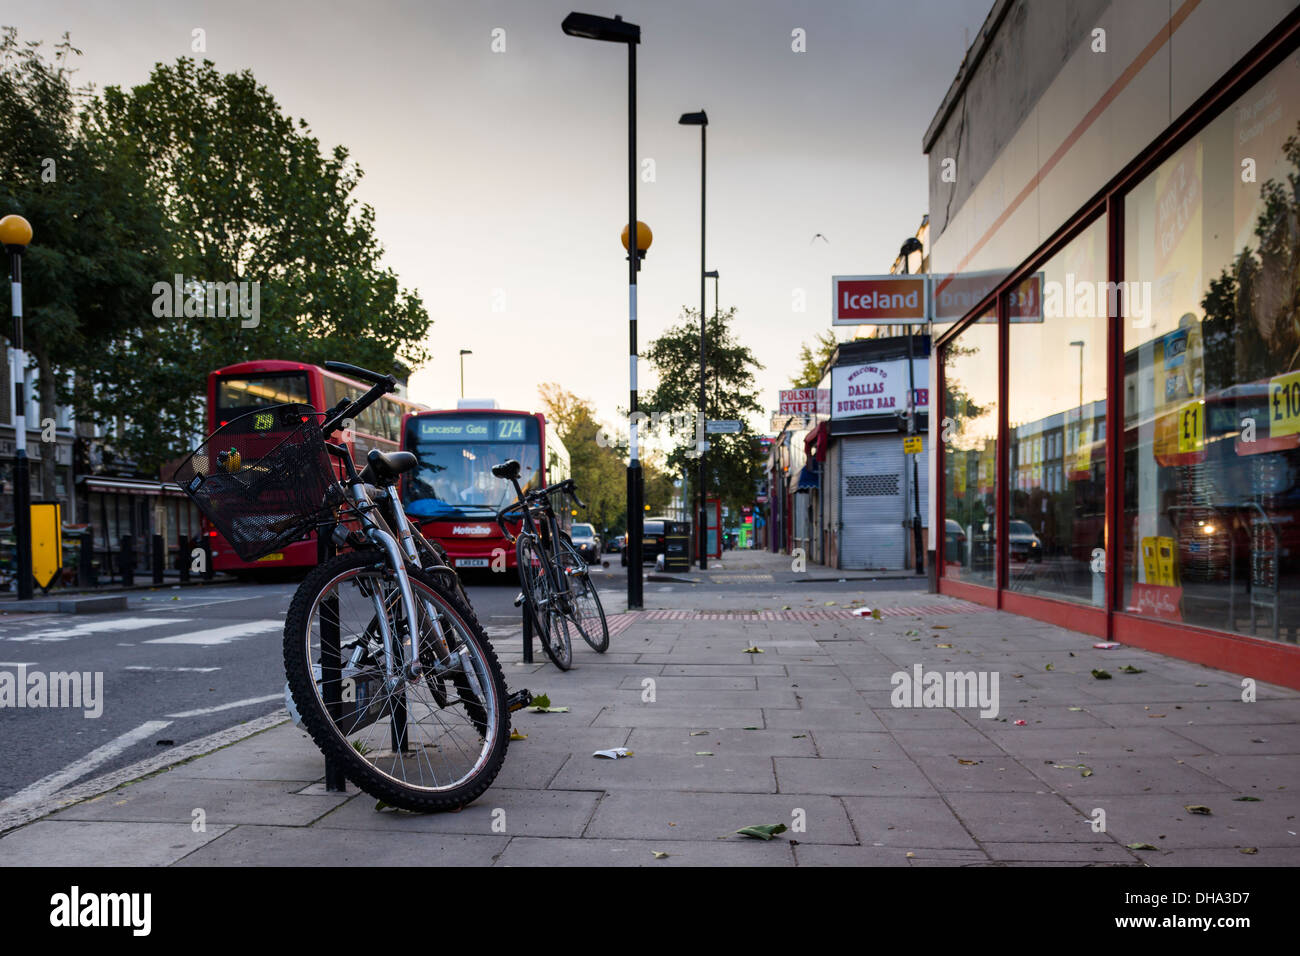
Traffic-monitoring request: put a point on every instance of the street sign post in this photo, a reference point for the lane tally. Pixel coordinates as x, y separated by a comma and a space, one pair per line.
912, 445
723, 427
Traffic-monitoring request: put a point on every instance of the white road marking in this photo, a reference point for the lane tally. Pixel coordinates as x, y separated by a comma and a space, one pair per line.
74, 771
203, 711
187, 606
222, 635
110, 626
196, 670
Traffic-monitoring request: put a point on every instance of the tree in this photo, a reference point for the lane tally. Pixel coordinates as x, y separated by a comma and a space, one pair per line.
246, 195
98, 235
813, 360
732, 463
597, 467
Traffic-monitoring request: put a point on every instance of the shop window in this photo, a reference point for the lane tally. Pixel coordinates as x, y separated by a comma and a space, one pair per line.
1057, 381
969, 431
1211, 524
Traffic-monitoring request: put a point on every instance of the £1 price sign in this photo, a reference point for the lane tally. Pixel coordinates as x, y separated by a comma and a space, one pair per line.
1284, 405
1191, 427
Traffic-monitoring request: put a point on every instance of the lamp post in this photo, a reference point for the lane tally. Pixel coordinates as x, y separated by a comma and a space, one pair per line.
911, 245
1078, 428
713, 274
15, 234
701, 119
463, 353
618, 30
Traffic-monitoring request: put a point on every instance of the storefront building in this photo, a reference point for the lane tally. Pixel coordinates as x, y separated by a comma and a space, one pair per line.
1119, 431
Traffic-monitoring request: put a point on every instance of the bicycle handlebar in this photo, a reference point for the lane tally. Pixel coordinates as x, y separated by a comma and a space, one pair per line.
383, 385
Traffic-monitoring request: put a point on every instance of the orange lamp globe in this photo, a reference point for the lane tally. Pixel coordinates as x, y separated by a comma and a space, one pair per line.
17, 231
643, 236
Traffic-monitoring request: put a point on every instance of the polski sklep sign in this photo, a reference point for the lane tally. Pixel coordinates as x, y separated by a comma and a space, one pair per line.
804, 401
876, 388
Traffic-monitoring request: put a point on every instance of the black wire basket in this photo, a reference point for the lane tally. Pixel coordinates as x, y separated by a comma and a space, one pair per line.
264, 479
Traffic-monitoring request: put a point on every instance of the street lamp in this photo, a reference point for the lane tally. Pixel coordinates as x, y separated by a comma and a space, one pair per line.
618, 30
713, 274
1078, 427
463, 353
701, 119
15, 234
911, 245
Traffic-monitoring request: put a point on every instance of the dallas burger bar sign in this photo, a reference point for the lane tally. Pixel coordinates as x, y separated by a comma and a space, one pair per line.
876, 388
880, 300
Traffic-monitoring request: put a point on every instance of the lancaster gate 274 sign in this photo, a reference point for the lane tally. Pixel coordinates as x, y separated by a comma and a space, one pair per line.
880, 300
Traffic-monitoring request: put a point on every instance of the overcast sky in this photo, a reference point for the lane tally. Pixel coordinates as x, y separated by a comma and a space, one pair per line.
499, 178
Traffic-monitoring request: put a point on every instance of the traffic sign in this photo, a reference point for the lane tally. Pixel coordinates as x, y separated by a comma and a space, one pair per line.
912, 445
723, 427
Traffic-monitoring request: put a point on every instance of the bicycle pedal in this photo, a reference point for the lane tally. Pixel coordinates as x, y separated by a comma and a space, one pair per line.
519, 700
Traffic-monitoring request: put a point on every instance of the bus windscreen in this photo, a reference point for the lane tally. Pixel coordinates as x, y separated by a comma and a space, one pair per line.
242, 393
456, 454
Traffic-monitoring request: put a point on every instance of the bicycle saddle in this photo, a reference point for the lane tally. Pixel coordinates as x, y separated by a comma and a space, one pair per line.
384, 468
507, 469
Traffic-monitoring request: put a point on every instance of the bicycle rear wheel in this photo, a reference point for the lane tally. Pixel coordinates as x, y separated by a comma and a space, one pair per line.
429, 743
539, 596
587, 613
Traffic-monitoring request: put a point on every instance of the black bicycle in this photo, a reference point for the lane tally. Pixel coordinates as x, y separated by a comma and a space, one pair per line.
386, 663
556, 584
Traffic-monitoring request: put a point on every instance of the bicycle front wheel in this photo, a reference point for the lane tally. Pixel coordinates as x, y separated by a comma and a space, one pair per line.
430, 742
539, 595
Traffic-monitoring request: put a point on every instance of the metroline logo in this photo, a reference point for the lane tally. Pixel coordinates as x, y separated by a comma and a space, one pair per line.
879, 300
471, 529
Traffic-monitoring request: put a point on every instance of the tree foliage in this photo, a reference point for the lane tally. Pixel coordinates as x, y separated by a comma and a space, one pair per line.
813, 359
198, 174
733, 461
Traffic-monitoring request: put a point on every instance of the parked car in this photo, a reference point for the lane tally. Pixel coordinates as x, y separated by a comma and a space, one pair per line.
652, 540
1024, 544
587, 542
614, 544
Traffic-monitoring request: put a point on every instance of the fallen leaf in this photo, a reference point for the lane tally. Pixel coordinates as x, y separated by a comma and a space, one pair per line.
516, 735
785, 607
749, 728
1198, 809
1130, 669
909, 633
541, 700
698, 733
1075, 708
763, 831
659, 854
910, 854
548, 710
1048, 667
754, 650
830, 604
1100, 674
940, 627
967, 763
943, 645
1246, 799
704, 753
1249, 850
798, 736
1139, 846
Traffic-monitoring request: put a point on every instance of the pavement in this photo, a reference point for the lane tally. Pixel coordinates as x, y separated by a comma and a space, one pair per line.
1072, 770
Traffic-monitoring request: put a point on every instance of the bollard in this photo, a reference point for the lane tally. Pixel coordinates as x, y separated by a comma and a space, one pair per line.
330, 659
126, 555
184, 555
528, 635
85, 561
159, 558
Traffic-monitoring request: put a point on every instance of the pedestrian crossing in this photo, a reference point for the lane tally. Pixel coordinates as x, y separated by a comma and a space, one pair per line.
139, 628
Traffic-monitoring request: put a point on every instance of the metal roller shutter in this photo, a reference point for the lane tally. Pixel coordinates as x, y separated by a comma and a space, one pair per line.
872, 505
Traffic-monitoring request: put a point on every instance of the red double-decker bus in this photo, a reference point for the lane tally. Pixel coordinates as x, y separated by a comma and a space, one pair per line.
247, 386
452, 495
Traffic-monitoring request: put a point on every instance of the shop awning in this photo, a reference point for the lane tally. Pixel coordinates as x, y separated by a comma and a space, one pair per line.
809, 478
818, 437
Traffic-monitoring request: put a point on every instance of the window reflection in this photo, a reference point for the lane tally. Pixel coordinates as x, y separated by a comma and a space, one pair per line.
969, 432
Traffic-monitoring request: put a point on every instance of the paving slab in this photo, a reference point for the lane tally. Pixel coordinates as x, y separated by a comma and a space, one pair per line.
707, 816
723, 773
502, 810
168, 798
910, 823
304, 846
764, 743
844, 775
60, 842
533, 852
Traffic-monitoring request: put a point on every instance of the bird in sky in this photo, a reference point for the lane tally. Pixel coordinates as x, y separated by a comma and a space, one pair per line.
819, 236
